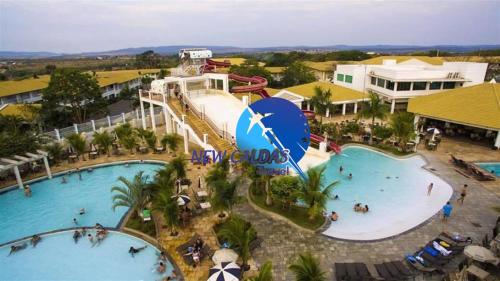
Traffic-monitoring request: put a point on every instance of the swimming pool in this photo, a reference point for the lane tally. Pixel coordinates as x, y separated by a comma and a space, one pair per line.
395, 191
492, 167
54, 205
57, 257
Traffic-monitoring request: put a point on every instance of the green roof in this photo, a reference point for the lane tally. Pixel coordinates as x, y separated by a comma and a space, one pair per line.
476, 106
325, 66
104, 78
339, 93
24, 111
275, 69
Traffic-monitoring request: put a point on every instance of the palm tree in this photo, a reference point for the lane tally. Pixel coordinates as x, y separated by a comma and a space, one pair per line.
313, 193
171, 142
129, 142
165, 178
78, 142
218, 172
147, 136
55, 151
239, 233
134, 194
224, 196
167, 204
321, 102
103, 140
265, 273
375, 108
179, 166
403, 128
126, 136
123, 130
307, 268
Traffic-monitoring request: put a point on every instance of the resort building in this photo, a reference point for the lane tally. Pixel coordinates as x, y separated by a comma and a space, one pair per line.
345, 100
323, 70
470, 112
276, 72
398, 79
111, 83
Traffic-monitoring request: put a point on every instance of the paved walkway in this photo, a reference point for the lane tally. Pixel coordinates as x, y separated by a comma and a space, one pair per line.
283, 242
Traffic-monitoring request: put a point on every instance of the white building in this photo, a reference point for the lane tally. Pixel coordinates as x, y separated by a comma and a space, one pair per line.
397, 82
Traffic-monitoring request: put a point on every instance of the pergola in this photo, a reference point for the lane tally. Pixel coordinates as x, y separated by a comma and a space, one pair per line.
17, 160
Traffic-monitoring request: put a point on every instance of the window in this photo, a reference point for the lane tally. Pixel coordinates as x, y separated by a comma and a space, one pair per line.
435, 86
389, 85
404, 86
340, 77
419, 86
381, 82
449, 85
348, 78
374, 81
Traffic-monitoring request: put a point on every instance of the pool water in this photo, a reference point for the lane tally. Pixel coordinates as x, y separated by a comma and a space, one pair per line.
53, 205
493, 168
395, 191
57, 257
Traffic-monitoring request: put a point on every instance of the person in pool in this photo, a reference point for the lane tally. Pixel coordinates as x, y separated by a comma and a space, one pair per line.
82, 211
84, 231
75, 221
365, 209
357, 207
336, 197
63, 180
27, 190
161, 268
17, 248
76, 235
350, 176
334, 216
35, 239
341, 169
132, 251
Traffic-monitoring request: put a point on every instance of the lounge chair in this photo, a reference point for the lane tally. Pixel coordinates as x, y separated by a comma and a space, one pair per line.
434, 261
146, 215
418, 266
384, 272
363, 272
182, 249
352, 273
340, 271
453, 241
393, 270
480, 175
458, 162
403, 270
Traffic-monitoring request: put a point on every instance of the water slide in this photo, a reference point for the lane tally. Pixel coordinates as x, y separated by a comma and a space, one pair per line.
257, 85
333, 146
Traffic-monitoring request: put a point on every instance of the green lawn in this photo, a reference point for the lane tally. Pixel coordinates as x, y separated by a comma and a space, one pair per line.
135, 222
297, 215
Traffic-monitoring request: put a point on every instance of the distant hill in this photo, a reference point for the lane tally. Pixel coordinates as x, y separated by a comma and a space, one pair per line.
173, 49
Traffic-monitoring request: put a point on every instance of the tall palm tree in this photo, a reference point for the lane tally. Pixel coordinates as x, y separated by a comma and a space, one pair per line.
321, 102
265, 273
171, 142
218, 172
124, 130
239, 233
403, 128
307, 268
313, 192
103, 140
167, 204
163, 180
179, 165
78, 142
375, 108
133, 194
126, 136
55, 151
224, 195
148, 137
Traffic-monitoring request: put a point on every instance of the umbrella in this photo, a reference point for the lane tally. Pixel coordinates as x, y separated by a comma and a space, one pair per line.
224, 255
226, 271
480, 254
182, 199
433, 131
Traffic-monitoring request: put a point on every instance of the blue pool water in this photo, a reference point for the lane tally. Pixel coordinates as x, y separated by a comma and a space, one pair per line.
493, 168
394, 189
57, 257
54, 205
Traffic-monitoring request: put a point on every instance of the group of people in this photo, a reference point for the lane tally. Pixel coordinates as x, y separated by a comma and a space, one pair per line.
161, 266
341, 169
34, 241
101, 234
358, 207
195, 251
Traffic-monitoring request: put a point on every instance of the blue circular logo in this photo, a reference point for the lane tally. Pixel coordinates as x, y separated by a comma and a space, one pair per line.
273, 134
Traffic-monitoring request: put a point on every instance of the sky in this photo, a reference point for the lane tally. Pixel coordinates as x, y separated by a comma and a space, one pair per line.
74, 26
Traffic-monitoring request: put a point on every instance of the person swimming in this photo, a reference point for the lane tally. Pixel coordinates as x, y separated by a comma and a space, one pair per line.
82, 211
365, 209
132, 251
17, 248
357, 207
161, 268
35, 239
336, 197
75, 221
334, 216
63, 180
350, 176
76, 236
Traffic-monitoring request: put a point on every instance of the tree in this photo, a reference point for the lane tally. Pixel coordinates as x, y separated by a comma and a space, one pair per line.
147, 136
218, 172
17, 136
126, 136
403, 128
166, 203
224, 196
55, 151
103, 140
148, 59
285, 189
265, 273
164, 179
321, 102
179, 166
313, 192
132, 194
73, 92
297, 73
50, 68
375, 108
307, 268
171, 142
163, 73
78, 142
239, 233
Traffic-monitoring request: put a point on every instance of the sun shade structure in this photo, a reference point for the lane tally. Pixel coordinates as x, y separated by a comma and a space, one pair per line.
226, 271
17, 160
